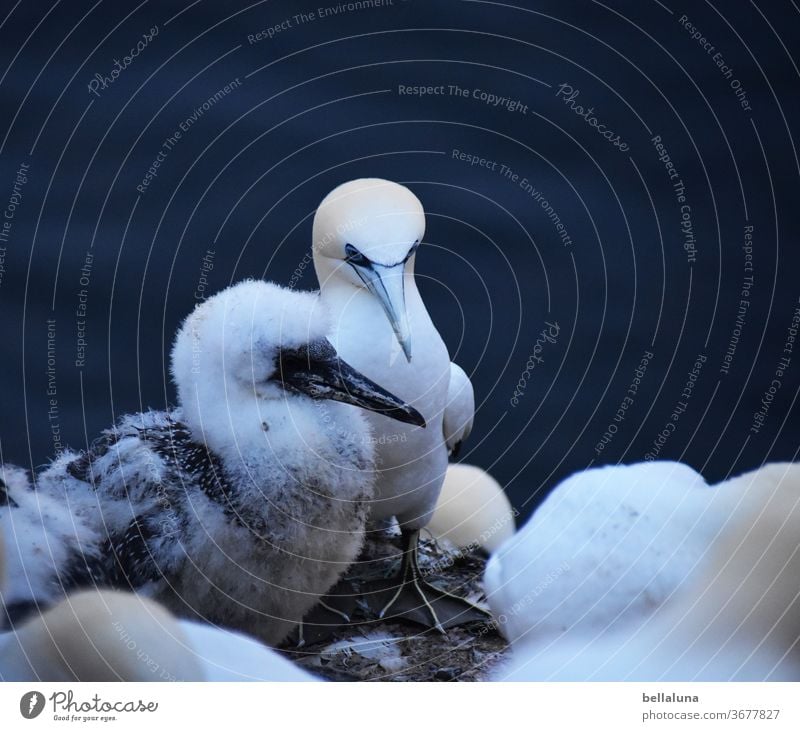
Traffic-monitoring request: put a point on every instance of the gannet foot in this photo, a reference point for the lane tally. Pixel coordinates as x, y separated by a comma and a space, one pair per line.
301, 640
331, 613
334, 610
419, 601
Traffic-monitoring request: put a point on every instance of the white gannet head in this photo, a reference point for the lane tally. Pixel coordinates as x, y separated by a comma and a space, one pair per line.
256, 343
367, 232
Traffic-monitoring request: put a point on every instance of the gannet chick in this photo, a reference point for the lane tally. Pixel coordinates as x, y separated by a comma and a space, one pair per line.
606, 548
105, 636
45, 544
243, 505
366, 235
101, 637
737, 619
473, 510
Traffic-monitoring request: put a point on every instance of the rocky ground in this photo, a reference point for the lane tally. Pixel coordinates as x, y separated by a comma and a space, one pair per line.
396, 649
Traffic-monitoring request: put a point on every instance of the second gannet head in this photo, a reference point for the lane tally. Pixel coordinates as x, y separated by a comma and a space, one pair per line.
99, 636
256, 346
366, 233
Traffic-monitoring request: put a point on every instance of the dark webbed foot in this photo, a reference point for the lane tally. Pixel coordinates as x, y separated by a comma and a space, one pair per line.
411, 597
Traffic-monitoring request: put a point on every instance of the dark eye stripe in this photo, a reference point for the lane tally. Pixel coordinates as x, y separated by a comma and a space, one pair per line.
302, 358
355, 257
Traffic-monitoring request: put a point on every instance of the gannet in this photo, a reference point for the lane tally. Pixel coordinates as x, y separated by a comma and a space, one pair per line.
106, 636
606, 548
737, 619
101, 637
365, 238
473, 511
242, 506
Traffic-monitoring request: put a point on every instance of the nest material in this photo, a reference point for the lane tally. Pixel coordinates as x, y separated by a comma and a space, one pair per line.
368, 648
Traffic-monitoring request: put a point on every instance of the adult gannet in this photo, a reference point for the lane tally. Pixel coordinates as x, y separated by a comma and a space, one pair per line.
243, 505
606, 548
365, 238
738, 618
105, 636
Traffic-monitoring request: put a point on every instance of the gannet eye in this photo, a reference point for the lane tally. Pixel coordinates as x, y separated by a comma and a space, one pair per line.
355, 257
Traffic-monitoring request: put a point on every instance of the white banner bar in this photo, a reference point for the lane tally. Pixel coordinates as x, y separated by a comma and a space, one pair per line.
408, 706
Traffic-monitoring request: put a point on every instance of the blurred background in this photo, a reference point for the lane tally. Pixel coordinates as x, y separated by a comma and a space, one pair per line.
611, 190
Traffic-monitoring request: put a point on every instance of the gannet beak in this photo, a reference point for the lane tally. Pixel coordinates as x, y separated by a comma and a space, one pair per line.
387, 284
317, 371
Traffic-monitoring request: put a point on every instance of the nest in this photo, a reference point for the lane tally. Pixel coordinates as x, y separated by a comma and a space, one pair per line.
394, 649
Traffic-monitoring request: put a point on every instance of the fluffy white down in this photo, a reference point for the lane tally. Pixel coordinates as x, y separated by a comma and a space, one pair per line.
606, 548
473, 510
223, 356
736, 619
110, 636
309, 463
37, 536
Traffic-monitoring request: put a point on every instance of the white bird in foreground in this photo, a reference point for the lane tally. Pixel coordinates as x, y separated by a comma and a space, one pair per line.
736, 619
606, 548
241, 507
105, 636
366, 235
473, 510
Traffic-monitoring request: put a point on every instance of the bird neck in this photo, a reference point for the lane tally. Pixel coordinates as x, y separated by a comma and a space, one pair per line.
228, 425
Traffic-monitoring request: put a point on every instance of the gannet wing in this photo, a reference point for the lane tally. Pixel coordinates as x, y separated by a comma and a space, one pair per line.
460, 410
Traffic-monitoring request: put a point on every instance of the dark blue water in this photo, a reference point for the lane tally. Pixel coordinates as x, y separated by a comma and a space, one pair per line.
575, 248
